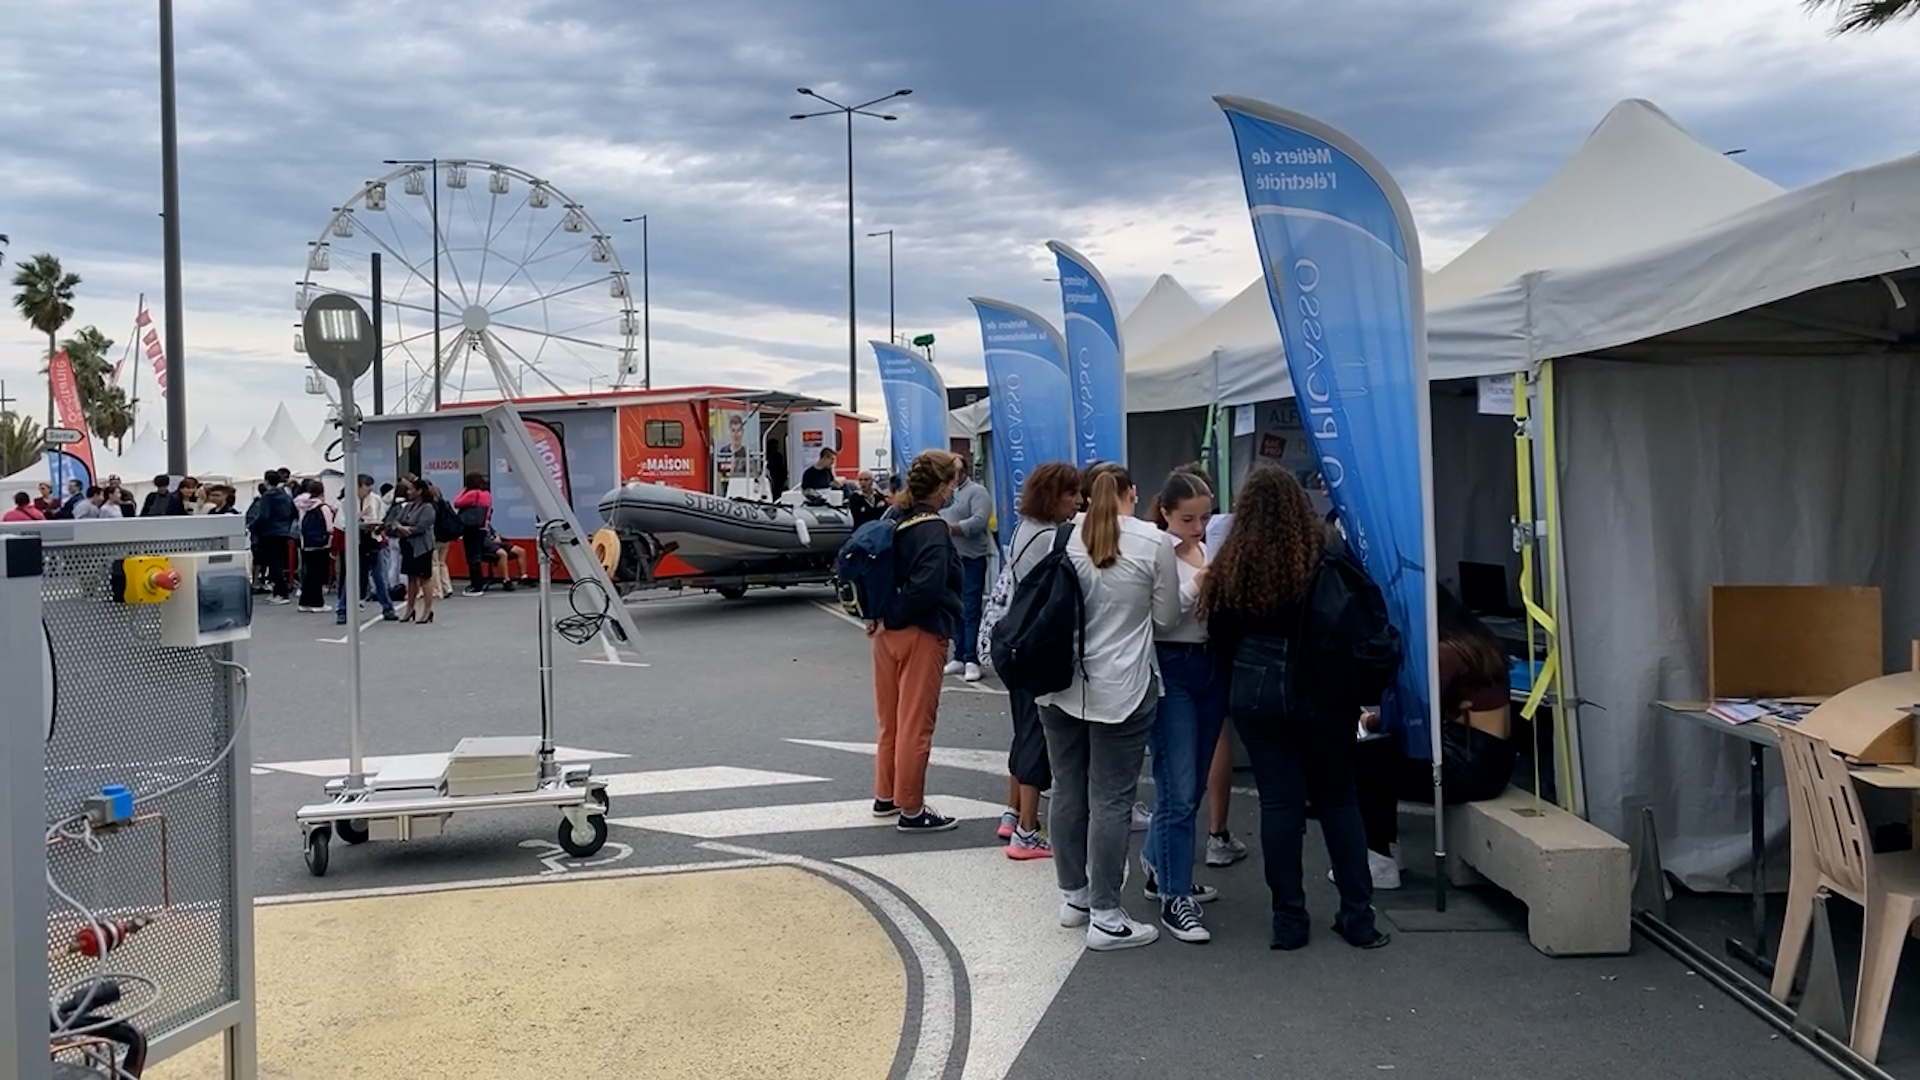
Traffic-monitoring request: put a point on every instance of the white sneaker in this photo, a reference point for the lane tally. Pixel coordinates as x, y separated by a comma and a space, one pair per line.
1385, 870
954, 667
1117, 930
971, 673
1142, 817
1073, 909
1224, 850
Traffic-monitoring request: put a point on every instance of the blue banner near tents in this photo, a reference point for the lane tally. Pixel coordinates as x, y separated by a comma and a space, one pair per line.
1342, 263
916, 402
1030, 404
62, 467
1096, 360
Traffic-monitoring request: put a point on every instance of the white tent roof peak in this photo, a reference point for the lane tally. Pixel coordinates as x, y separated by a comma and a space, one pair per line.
1638, 181
209, 455
253, 457
1166, 310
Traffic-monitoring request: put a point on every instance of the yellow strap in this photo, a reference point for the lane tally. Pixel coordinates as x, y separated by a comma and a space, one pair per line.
1546, 679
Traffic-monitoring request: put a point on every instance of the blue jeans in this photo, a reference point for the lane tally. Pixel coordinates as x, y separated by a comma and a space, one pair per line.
1182, 743
973, 593
371, 580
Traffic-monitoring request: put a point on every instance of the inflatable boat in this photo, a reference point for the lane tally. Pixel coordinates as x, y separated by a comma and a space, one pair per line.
670, 536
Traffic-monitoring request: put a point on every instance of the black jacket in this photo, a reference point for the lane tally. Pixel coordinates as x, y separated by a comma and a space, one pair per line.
928, 570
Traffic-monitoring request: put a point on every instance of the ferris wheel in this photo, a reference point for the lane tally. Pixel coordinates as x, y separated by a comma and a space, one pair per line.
495, 284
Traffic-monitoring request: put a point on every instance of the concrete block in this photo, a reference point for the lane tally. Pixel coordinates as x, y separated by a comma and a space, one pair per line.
1575, 878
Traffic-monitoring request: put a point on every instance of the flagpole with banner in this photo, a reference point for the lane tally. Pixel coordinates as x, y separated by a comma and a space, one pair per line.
73, 459
1029, 400
916, 398
1342, 261
1096, 360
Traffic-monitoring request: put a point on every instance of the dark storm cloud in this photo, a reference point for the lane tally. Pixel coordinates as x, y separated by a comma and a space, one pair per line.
1025, 118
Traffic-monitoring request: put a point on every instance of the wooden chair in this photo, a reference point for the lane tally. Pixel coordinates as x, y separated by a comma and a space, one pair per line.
1831, 851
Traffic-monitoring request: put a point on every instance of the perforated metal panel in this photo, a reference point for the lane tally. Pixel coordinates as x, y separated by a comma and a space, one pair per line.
131, 711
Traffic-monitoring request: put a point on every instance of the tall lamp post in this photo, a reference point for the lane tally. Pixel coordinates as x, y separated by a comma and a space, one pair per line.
433, 207
892, 334
646, 307
853, 310
170, 242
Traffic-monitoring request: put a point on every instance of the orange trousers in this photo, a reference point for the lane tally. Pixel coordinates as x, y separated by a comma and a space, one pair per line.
906, 689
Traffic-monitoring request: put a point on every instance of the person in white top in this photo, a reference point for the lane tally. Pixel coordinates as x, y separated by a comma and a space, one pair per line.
1097, 727
1192, 709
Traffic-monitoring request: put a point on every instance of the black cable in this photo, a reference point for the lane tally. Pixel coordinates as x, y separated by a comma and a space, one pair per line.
583, 626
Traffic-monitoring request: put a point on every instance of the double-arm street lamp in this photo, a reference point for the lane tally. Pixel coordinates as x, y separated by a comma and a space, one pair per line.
853, 312
646, 307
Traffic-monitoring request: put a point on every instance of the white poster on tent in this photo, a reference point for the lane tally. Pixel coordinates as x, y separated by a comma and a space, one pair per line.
1496, 395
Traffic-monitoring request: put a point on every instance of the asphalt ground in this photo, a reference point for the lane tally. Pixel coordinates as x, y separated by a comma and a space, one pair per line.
704, 737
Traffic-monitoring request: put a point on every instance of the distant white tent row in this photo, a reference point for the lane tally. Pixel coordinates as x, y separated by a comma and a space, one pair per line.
209, 455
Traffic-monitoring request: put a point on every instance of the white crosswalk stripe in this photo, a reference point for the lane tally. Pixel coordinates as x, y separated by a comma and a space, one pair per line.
796, 818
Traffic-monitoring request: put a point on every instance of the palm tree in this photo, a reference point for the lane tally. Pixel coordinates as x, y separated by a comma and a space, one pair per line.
45, 300
21, 442
1861, 16
103, 404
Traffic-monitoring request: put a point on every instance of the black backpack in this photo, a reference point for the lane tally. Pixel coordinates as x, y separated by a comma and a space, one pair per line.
1039, 643
313, 529
1352, 649
447, 526
865, 576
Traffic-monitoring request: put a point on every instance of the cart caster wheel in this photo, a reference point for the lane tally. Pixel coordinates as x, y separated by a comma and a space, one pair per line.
588, 846
317, 851
353, 832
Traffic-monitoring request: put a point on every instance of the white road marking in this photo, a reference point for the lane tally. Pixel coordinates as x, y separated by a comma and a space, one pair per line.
702, 778
933, 1049
502, 882
613, 656
991, 762
840, 613
970, 688
342, 639
798, 818
411, 764
559, 862
1014, 951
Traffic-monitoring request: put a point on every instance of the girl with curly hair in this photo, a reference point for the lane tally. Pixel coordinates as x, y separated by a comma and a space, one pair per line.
1256, 599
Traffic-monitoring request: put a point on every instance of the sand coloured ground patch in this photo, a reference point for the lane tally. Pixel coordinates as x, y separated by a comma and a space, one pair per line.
733, 973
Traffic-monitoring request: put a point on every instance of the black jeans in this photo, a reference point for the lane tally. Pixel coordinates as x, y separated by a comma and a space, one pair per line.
273, 560
316, 566
1296, 759
1474, 766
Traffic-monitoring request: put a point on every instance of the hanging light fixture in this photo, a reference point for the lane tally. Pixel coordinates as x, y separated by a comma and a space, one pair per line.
456, 176
376, 197
497, 182
537, 196
416, 183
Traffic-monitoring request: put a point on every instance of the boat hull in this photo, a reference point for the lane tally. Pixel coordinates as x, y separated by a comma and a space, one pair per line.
718, 536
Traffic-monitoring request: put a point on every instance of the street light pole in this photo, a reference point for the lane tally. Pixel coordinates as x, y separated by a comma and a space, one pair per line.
853, 307
646, 307
170, 241
893, 334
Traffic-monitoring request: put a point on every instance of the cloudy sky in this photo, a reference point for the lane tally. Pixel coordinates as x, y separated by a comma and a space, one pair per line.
1079, 120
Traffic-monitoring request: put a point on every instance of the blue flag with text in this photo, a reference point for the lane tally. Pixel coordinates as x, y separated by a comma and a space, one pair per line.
916, 402
1342, 263
1096, 360
1030, 405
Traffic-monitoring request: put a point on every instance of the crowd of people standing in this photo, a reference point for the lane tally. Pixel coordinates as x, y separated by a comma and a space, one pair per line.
1183, 622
